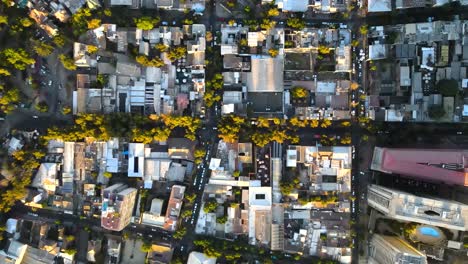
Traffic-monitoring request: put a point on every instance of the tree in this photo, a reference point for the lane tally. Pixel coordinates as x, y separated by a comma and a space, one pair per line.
161, 47
70, 238
18, 58
190, 197
176, 53
68, 63
91, 49
447, 87
324, 50
3, 20
94, 23
26, 22
267, 24
4, 72
42, 49
354, 86
436, 112
187, 21
221, 220
107, 174
146, 23
145, 61
107, 12
199, 153
42, 107
314, 123
210, 206
236, 174
364, 30
59, 41
66, 110
146, 247
346, 124
186, 213
180, 233
299, 92
210, 98
296, 122
295, 23
272, 12
70, 251
325, 123
355, 43
345, 140
273, 52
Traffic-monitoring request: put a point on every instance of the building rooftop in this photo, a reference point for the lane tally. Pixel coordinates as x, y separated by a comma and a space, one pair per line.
436, 165
264, 75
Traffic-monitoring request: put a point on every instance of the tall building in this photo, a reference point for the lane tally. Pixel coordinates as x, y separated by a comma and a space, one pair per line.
117, 206
391, 250
435, 165
407, 207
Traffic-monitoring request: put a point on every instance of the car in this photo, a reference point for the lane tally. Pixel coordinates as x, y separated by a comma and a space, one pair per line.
35, 117
139, 234
165, 238
150, 236
33, 214
191, 222
182, 248
459, 133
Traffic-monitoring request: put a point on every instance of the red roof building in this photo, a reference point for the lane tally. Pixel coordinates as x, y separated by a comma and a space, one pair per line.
435, 165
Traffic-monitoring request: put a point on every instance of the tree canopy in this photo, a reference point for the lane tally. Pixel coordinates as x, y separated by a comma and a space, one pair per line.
146, 22
447, 87
17, 58
299, 92
436, 112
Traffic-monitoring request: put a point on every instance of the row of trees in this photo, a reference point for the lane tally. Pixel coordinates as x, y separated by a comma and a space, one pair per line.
137, 128
264, 130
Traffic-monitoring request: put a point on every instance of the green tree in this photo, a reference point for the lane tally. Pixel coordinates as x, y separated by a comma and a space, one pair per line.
145, 61
42, 107
273, 52
146, 247
364, 30
4, 72
436, 112
447, 87
59, 41
42, 49
299, 92
66, 110
221, 220
267, 24
190, 197
18, 58
107, 174
68, 63
272, 12
236, 174
210, 206
70, 238
186, 213
3, 20
146, 23
8, 100
324, 50
26, 22
180, 233
70, 251
94, 23
295, 23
